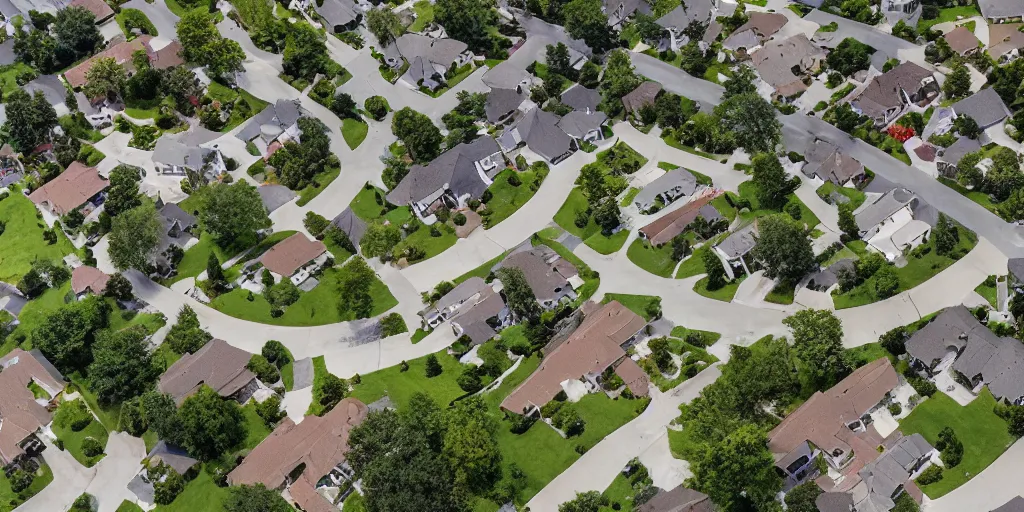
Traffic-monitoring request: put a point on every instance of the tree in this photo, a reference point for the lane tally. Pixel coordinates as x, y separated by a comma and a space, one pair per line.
518, 294
470, 446
887, 283
377, 107
210, 425
66, 335
39, 49
1005, 176
670, 110
739, 472
606, 215
384, 24
119, 288
716, 272
586, 20
276, 353
753, 120
255, 498
223, 57
742, 82
849, 56
773, 185
305, 52
330, 390
818, 342
106, 78
76, 32
161, 416
966, 126
590, 75
895, 340
123, 190
904, 31
619, 79
355, 288
186, 335
432, 367
469, 379
945, 235
30, 119
123, 366
380, 239
418, 134
196, 32
958, 83
847, 222
468, 21
801, 498
590, 501
133, 238
282, 294
559, 62
784, 249
344, 106
181, 84
233, 214
214, 272
845, 118
395, 170
298, 164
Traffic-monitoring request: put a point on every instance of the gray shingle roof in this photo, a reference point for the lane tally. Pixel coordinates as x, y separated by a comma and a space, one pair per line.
1016, 268
999, 362
675, 178
578, 124
338, 13
581, 98
886, 205
691, 10
351, 224
504, 76
173, 456
171, 152
952, 329
434, 50
984, 106
958, 149
502, 101
540, 131
1014, 505
827, 162
275, 196
740, 242
619, 10
51, 86
455, 167
11, 299
1001, 8
283, 113
644, 94
834, 502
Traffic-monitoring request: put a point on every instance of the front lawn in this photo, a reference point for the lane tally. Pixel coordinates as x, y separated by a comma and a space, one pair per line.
22, 240
431, 245
33, 314
656, 260
856, 196
988, 290
748, 190
591, 233
354, 131
505, 198
127, 506
201, 493
983, 434
371, 204
320, 183
670, 139
708, 338
781, 294
9, 500
628, 198
638, 304
424, 15
195, 259
690, 363
974, 195
400, 385
724, 294
947, 15
226, 95
73, 440
9, 76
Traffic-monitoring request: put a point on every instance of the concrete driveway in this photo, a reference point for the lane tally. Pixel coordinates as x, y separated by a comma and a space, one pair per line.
994, 486
163, 19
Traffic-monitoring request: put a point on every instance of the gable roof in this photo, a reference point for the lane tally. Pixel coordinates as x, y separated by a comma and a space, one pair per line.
504, 76
283, 114
171, 151
826, 161
176, 458
98, 8
1014, 505
689, 11
679, 499
472, 318
351, 224
51, 86
775, 62
949, 330
644, 94
501, 101
455, 168
1001, 8
890, 471
540, 132
290, 254
217, 365
544, 270
91, 279
984, 106
591, 348
579, 124
1016, 268
883, 207
338, 12
760, 25
22, 415
883, 92
441, 51
959, 149
961, 40
71, 189
461, 293
166, 56
998, 361
740, 242
618, 10
274, 196
580, 98
11, 299
680, 177
1004, 38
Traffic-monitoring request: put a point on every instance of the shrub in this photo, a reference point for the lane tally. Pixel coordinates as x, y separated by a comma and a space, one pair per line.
432, 367
74, 414
930, 476
520, 423
569, 421
459, 219
895, 408
264, 370
270, 410
392, 324
793, 210
276, 353
20, 480
923, 387
376, 106
91, 447
513, 179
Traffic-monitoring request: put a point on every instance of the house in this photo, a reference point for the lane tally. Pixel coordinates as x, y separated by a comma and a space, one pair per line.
890, 94
162, 453
592, 348
295, 258
580, 98
474, 308
549, 275
430, 59
1005, 41
889, 226
962, 41
1014, 505
934, 347
833, 424
23, 414
674, 223
826, 162
751, 35
583, 126
506, 76
78, 188
464, 293
175, 237
984, 106
503, 103
638, 98
172, 157
667, 188
538, 130
277, 123
907, 11
275, 196
1015, 267
216, 365
784, 65
618, 11
351, 224
87, 280
998, 11
876, 484
678, 20
98, 8
53, 89
948, 158
679, 499
305, 459
451, 180
733, 250
163, 53
12, 301
339, 15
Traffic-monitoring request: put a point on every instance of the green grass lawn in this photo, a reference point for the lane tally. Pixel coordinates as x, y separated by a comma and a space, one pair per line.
677, 347
983, 434
354, 131
482, 271
708, 337
724, 294
122, 15
424, 15
195, 259
227, 95
73, 440
366, 206
316, 307
202, 493
432, 245
988, 292
657, 261
856, 196
694, 264
354, 503
842, 254
591, 233
33, 315
974, 195
90, 156
9, 75
127, 506
22, 241
109, 416
917, 271
256, 429
671, 140
714, 70
506, 199
635, 303
9, 500
781, 294
748, 190
320, 183
628, 198
400, 386
948, 14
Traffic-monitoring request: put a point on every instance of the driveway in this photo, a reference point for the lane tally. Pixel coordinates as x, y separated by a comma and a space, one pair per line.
163, 19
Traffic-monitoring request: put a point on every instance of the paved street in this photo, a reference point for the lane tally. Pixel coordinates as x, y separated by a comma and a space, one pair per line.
997, 484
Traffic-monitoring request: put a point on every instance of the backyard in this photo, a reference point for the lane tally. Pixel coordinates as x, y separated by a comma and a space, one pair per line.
227, 95
64, 422
591, 233
22, 242
424, 15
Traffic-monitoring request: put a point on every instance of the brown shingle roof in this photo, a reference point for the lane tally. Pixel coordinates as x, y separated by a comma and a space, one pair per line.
98, 8
1004, 38
289, 255
961, 40
217, 365
644, 94
593, 347
86, 278
165, 57
20, 413
679, 499
675, 222
544, 271
884, 90
71, 189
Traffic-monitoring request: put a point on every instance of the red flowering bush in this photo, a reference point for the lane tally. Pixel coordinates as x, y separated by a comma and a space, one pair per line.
900, 133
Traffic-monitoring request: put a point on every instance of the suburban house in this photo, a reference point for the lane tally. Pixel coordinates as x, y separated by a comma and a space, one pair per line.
667, 188
826, 162
751, 35
584, 126
618, 11
907, 11
273, 126
638, 98
881, 477
86, 280
948, 158
24, 415
163, 53
580, 98
733, 250
834, 424
176, 232
674, 223
474, 308
889, 226
676, 21
595, 346
351, 225
295, 258
984, 106
1005, 42
98, 8
430, 59
784, 65
217, 365
551, 277
963, 41
53, 89
1015, 267
538, 130
451, 180
998, 11
890, 94
338, 15
162, 453
679, 499
78, 188
957, 341
172, 157
502, 104
306, 460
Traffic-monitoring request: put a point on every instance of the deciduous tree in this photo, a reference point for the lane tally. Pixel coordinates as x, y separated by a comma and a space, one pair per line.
753, 121
106, 78
384, 24
76, 32
66, 335
134, 236
210, 425
773, 185
519, 296
123, 190
586, 20
233, 214
122, 366
417, 133
818, 342
784, 249
739, 472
